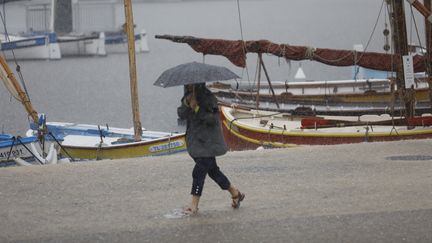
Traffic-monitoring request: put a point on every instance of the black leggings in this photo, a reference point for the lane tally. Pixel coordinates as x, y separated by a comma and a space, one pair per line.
204, 166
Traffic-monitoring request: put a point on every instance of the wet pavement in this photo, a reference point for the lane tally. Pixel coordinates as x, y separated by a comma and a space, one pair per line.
370, 192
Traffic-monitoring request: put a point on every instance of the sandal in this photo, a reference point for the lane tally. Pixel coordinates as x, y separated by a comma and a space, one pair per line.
237, 199
190, 212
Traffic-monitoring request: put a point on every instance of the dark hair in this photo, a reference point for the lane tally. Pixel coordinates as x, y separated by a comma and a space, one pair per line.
205, 97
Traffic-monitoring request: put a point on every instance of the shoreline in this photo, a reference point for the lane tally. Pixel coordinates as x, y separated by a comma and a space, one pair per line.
351, 193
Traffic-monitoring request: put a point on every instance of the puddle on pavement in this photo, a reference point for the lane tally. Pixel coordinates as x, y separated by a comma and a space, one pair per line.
410, 157
177, 213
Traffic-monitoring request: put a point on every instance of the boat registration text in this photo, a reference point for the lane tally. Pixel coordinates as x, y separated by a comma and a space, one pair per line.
12, 154
166, 146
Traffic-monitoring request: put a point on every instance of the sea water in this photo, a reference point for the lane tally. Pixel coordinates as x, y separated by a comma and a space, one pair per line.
96, 90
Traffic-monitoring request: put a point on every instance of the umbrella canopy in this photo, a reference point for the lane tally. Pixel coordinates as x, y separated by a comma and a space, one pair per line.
192, 73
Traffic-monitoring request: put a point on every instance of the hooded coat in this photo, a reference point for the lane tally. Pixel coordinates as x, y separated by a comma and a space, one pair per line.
204, 136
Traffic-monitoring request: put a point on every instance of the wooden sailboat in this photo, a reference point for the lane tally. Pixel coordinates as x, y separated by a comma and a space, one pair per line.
360, 96
83, 141
324, 94
251, 128
354, 97
91, 142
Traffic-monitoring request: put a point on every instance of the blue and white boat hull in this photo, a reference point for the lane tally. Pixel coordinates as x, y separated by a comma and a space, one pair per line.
27, 151
31, 47
11, 148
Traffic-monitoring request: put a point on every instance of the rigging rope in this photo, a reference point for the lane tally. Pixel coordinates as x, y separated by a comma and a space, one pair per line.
387, 48
412, 92
242, 37
354, 52
370, 38
374, 28
7, 38
61, 146
28, 150
417, 32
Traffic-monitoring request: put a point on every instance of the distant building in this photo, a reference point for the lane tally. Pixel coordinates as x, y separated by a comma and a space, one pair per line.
85, 15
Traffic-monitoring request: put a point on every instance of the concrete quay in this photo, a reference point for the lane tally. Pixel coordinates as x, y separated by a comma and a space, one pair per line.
369, 192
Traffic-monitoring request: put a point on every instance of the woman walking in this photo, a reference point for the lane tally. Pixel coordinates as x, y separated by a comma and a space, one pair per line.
204, 140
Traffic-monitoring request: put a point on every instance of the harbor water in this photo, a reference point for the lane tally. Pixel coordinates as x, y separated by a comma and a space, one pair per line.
95, 90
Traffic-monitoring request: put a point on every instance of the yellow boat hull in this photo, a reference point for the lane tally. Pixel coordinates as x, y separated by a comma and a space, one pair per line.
164, 146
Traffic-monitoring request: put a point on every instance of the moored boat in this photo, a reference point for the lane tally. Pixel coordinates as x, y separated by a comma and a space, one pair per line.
82, 141
28, 150
335, 97
88, 141
12, 147
116, 42
74, 44
41, 46
91, 142
339, 92
250, 129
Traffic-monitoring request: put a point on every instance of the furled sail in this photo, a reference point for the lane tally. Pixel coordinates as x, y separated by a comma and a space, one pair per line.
236, 50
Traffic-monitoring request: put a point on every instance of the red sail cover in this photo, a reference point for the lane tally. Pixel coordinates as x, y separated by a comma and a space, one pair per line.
235, 51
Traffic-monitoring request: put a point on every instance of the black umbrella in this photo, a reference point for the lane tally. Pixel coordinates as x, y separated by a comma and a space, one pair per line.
192, 73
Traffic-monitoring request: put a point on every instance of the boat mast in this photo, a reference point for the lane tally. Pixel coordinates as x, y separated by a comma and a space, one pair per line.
425, 10
132, 69
21, 94
428, 30
400, 43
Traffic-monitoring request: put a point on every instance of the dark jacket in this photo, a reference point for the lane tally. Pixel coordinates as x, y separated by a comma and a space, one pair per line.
204, 136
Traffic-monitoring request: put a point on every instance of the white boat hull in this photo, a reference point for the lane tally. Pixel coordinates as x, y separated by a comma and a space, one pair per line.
27, 149
121, 46
17, 151
82, 46
37, 47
